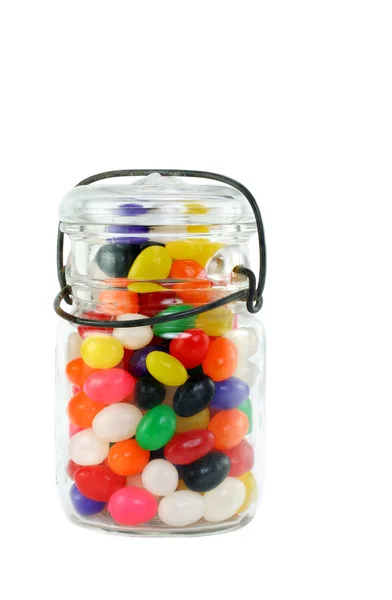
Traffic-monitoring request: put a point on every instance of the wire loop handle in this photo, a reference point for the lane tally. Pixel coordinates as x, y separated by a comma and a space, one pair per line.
253, 295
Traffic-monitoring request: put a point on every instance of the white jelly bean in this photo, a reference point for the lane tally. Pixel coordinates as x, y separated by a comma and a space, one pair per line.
133, 338
73, 346
85, 448
224, 501
117, 422
160, 477
247, 372
245, 341
181, 508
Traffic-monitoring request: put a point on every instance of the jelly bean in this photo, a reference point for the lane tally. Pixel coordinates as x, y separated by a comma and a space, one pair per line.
198, 421
207, 252
229, 393
77, 372
115, 260
181, 508
133, 338
85, 507
181, 485
247, 372
196, 292
117, 422
110, 386
229, 427
193, 396
149, 393
221, 360
170, 329
166, 368
127, 458
73, 430
153, 262
85, 448
98, 482
155, 302
207, 472
190, 347
144, 287
72, 467
81, 410
156, 428
137, 364
216, 322
73, 346
94, 316
160, 477
185, 448
224, 501
242, 458
184, 249
132, 506
117, 302
101, 352
185, 269
245, 340
251, 491
246, 408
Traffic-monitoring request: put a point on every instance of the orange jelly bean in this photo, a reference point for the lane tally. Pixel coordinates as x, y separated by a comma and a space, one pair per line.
119, 302
229, 428
128, 458
221, 360
81, 410
78, 372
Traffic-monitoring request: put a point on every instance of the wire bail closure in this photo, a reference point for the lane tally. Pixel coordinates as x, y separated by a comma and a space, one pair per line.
253, 295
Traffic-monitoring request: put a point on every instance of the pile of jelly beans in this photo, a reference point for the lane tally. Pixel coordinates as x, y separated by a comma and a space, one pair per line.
159, 416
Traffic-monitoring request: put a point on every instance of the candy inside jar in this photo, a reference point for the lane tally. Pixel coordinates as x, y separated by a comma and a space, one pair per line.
159, 425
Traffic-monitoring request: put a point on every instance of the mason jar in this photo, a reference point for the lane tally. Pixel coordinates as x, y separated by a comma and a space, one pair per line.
160, 357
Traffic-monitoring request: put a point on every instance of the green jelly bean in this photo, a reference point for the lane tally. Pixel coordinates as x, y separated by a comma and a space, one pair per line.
156, 428
170, 329
246, 408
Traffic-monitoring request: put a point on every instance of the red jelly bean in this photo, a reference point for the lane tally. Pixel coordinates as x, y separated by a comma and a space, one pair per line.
154, 302
132, 505
72, 467
73, 430
190, 347
78, 372
110, 386
98, 482
94, 316
242, 458
185, 448
221, 360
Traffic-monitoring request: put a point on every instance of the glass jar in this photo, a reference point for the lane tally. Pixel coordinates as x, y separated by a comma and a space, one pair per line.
160, 361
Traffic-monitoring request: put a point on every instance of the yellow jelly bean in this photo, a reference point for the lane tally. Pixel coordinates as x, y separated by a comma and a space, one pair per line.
181, 486
216, 322
197, 229
198, 421
166, 368
153, 262
251, 490
143, 287
196, 209
101, 351
208, 250
184, 249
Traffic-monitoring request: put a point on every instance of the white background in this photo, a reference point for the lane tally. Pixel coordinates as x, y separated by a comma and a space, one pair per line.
294, 99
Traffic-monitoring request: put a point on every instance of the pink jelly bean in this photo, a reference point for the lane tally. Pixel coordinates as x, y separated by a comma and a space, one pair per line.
132, 505
110, 386
73, 430
75, 390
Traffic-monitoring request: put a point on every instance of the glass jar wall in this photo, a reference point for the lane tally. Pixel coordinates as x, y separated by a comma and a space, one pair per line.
159, 428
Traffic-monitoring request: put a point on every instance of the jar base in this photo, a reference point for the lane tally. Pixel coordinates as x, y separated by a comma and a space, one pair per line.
104, 523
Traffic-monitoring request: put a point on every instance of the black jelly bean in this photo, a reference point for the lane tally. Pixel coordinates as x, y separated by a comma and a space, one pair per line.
160, 453
207, 472
149, 393
193, 396
115, 260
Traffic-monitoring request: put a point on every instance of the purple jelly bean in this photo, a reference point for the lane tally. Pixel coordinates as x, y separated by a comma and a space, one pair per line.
84, 506
133, 234
130, 209
229, 393
137, 363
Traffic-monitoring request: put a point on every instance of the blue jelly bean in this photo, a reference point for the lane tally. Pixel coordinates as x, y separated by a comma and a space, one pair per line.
229, 393
85, 507
137, 363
